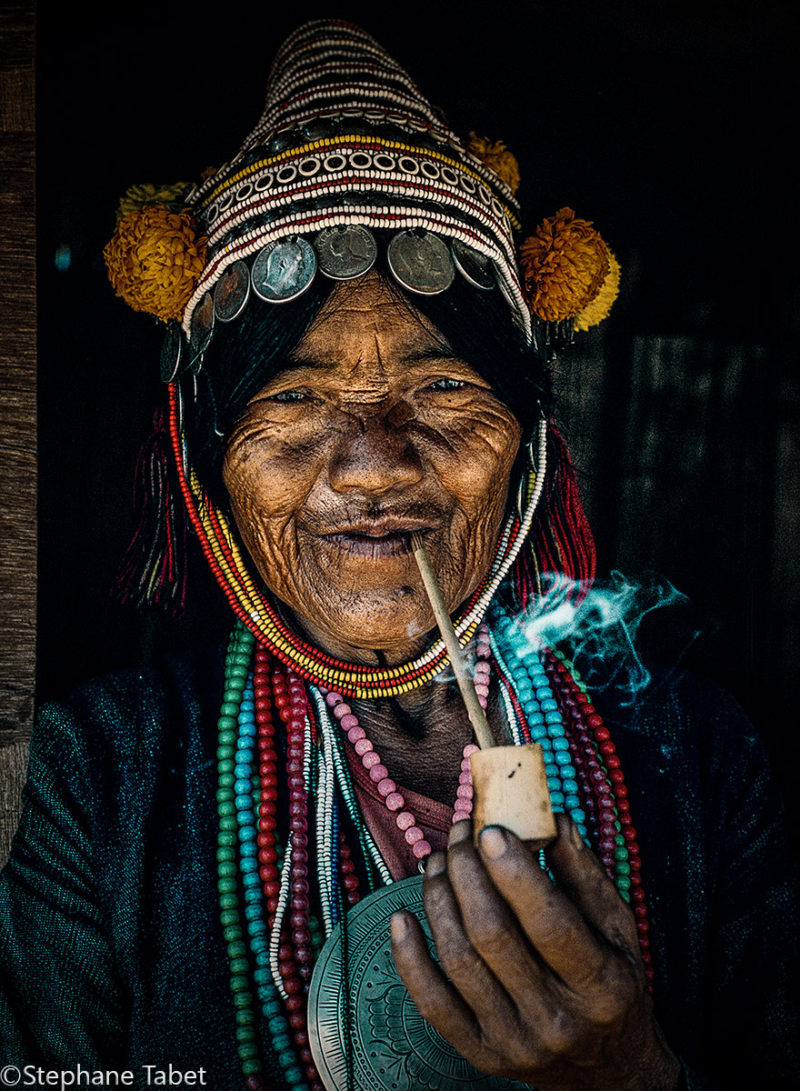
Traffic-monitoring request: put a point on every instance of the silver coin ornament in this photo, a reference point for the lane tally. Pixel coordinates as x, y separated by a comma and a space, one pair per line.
509, 298
231, 292
283, 270
200, 329
477, 269
346, 252
363, 1027
421, 262
171, 352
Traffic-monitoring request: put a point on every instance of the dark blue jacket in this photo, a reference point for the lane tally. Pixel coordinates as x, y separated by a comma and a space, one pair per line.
111, 950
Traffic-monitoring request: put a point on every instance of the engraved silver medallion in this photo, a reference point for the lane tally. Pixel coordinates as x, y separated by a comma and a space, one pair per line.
345, 252
171, 352
363, 1028
421, 262
231, 292
474, 267
283, 270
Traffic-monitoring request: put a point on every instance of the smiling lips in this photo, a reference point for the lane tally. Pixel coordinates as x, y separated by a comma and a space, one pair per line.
376, 540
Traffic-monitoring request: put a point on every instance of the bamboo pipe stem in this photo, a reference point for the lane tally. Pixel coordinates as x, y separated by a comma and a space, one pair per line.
510, 781
477, 716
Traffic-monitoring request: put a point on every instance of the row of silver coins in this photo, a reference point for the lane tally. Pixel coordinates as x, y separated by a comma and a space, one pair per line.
419, 260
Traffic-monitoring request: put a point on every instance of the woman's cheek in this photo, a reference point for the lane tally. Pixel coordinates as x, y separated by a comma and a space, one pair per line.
266, 477
477, 474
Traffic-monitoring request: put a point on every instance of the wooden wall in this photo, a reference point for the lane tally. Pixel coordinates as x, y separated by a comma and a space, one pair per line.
17, 405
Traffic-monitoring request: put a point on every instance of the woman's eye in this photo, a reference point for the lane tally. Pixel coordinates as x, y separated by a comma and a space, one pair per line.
288, 396
447, 384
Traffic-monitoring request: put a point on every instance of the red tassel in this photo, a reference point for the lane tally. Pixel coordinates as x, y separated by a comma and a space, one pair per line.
561, 541
153, 569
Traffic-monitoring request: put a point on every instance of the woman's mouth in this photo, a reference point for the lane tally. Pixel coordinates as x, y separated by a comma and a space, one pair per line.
372, 546
375, 539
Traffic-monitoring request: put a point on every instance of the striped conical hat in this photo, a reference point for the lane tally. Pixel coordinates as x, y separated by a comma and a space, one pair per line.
347, 147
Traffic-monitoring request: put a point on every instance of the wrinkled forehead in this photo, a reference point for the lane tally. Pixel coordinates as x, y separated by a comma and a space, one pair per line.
365, 322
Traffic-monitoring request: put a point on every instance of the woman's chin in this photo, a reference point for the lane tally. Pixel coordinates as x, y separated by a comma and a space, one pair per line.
396, 628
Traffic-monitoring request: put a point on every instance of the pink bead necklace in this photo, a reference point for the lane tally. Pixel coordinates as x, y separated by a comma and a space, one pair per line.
379, 774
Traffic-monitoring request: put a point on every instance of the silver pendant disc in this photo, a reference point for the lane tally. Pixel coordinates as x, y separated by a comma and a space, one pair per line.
201, 327
345, 252
171, 352
371, 1020
231, 292
474, 267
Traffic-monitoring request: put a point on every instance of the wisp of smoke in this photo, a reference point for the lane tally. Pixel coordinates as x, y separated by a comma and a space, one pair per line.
600, 625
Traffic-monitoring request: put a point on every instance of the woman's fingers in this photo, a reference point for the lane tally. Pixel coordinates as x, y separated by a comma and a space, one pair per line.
488, 925
461, 997
565, 940
460, 960
581, 874
434, 997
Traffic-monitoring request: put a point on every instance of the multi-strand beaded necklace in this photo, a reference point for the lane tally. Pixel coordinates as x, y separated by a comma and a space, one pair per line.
294, 853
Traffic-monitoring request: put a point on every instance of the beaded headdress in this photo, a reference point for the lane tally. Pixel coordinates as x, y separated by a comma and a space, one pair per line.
347, 145
349, 157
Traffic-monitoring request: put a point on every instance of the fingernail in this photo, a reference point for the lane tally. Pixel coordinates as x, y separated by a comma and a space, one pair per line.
437, 863
459, 831
493, 842
398, 927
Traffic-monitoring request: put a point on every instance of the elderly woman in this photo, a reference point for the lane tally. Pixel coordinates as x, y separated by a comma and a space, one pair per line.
216, 880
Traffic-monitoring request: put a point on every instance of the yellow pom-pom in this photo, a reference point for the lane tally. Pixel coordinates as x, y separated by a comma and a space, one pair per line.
598, 309
496, 156
172, 197
155, 260
563, 266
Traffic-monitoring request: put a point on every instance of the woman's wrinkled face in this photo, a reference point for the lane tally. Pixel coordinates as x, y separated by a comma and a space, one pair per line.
372, 431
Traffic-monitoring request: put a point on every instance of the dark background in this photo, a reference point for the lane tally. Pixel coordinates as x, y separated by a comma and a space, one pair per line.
671, 125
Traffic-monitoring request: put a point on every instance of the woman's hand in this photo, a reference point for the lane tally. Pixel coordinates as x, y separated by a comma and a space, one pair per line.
539, 982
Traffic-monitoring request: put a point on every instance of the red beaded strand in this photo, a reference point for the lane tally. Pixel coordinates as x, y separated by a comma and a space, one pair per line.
291, 711
582, 753
348, 874
272, 688
268, 775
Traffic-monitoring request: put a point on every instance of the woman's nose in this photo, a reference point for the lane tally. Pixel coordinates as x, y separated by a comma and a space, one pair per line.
375, 454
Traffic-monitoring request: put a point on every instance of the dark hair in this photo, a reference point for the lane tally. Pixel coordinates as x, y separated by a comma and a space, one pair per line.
244, 355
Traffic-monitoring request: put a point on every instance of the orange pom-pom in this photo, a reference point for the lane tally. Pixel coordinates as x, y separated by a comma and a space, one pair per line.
598, 309
155, 260
496, 156
563, 266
